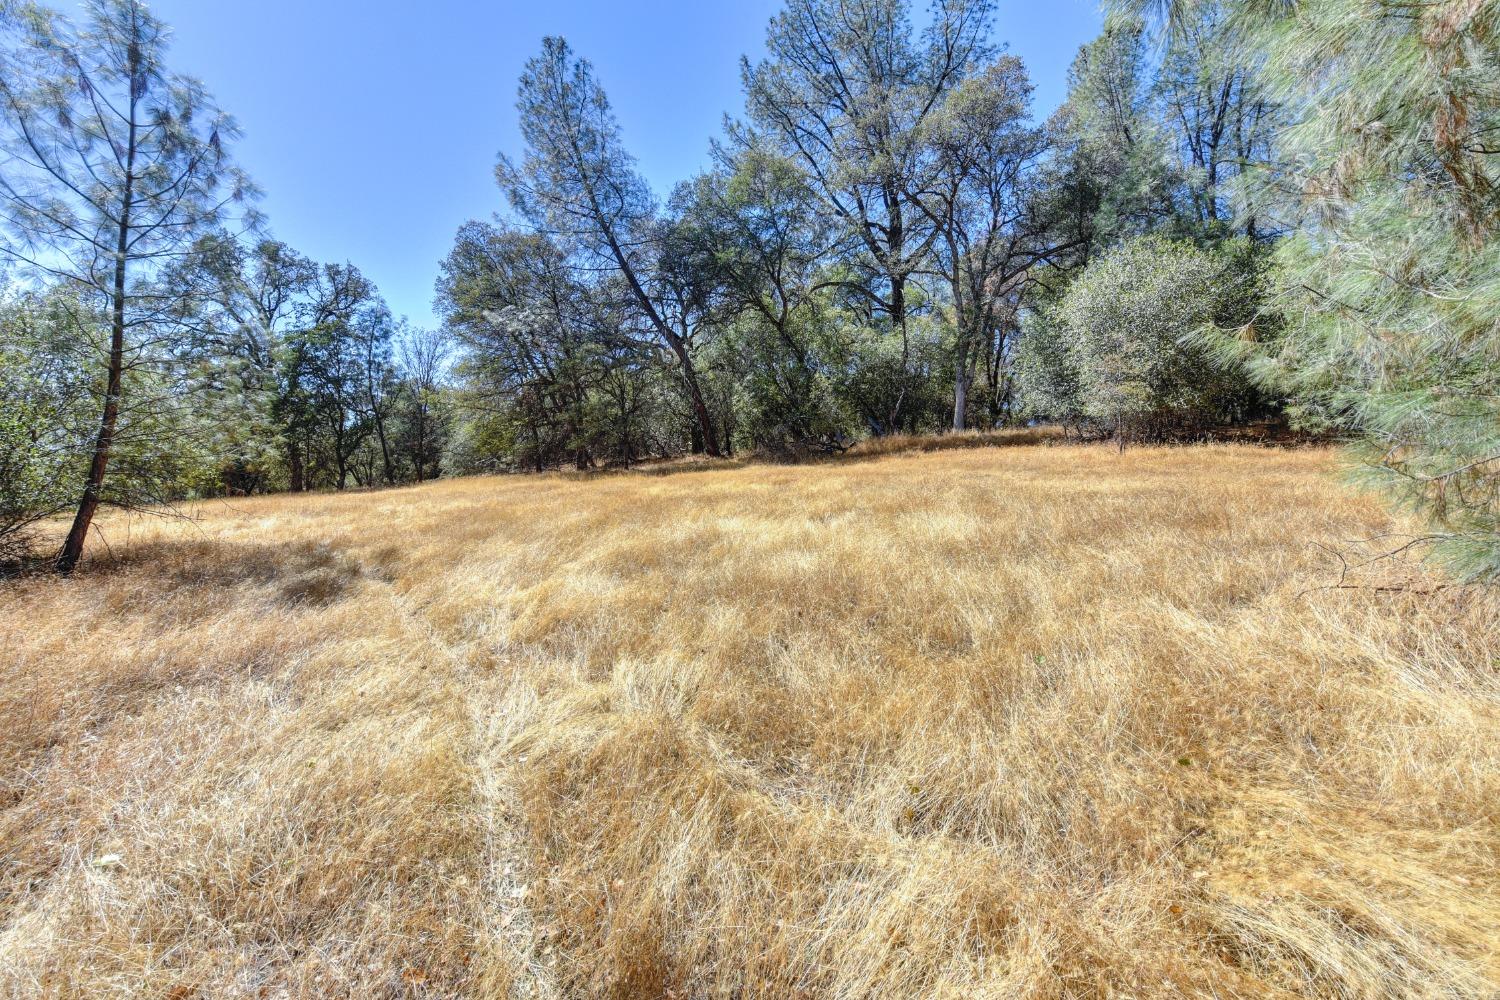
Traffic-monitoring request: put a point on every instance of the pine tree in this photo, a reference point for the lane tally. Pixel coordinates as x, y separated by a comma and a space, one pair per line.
578, 182
113, 168
1390, 287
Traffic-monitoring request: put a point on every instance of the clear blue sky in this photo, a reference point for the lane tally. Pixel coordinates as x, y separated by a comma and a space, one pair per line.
373, 125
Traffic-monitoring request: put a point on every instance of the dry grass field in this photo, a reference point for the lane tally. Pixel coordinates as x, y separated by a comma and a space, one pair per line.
1034, 721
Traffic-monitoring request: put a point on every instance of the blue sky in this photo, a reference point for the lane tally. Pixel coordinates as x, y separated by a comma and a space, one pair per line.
373, 125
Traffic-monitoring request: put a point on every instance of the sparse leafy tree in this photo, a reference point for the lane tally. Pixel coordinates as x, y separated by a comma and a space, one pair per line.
984, 207
848, 92
540, 346
423, 357
245, 305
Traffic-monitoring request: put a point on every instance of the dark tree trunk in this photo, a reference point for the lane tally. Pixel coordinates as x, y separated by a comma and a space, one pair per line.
93, 490
72, 550
387, 468
677, 343
421, 455
294, 467
898, 320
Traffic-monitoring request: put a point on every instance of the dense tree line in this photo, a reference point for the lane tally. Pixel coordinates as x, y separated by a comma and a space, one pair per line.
1241, 211
882, 245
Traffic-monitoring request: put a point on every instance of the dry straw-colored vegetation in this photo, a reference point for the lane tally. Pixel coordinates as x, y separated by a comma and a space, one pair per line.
1008, 722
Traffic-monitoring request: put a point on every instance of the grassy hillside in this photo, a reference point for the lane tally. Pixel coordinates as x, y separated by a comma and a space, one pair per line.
1011, 722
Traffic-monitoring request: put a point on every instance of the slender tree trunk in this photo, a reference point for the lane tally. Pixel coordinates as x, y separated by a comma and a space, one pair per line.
340, 453
421, 455
93, 489
960, 356
700, 411
312, 463
384, 453
294, 466
898, 319
72, 549
387, 469
705, 437
961, 393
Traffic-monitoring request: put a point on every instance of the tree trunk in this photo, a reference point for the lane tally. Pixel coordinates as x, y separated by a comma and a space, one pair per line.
961, 374
898, 319
387, 469
695, 395
421, 455
961, 394
72, 549
93, 489
294, 467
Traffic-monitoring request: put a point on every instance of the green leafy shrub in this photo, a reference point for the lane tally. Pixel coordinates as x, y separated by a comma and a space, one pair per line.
1119, 351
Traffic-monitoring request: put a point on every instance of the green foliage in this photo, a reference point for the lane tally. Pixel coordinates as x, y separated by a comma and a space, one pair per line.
42, 396
786, 399
1115, 148
114, 167
1118, 351
1391, 288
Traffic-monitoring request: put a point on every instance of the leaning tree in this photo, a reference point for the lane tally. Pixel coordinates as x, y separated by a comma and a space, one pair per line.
578, 184
111, 168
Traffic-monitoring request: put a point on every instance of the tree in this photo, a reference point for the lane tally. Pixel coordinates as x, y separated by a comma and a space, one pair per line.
113, 168
1115, 149
334, 362
577, 183
374, 332
1388, 289
755, 224
847, 93
984, 207
423, 359
1214, 113
244, 305
540, 345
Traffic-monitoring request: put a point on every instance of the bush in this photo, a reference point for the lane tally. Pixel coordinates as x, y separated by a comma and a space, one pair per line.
42, 401
1120, 352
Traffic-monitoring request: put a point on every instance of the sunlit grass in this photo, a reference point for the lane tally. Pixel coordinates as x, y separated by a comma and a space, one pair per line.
1034, 721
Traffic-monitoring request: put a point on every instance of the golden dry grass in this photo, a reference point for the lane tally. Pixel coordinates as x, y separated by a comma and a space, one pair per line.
1020, 722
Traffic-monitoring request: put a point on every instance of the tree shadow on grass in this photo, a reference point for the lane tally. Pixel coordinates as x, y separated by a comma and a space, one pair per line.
299, 573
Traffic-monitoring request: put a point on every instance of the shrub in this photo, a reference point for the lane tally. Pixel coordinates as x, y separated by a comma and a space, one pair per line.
42, 396
1119, 351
